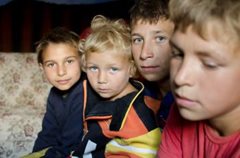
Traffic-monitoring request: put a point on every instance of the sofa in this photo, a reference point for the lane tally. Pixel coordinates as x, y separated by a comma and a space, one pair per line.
23, 94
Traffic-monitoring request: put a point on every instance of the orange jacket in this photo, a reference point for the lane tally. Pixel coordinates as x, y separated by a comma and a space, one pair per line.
120, 128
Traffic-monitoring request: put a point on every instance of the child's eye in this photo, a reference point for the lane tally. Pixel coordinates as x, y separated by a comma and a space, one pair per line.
137, 40
50, 65
161, 39
114, 69
92, 68
69, 61
209, 64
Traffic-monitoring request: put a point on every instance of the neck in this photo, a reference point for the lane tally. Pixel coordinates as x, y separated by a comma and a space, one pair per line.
164, 87
228, 123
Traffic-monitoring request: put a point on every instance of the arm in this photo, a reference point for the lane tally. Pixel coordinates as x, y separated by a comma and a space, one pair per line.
48, 136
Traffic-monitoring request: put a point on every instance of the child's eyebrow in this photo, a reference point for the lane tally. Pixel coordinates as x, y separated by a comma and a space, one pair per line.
71, 57
47, 61
135, 34
159, 31
51, 60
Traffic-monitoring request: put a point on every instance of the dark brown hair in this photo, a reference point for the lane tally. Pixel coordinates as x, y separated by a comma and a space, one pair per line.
56, 36
149, 11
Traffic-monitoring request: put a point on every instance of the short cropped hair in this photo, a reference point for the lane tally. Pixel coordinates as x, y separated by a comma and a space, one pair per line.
56, 36
105, 35
149, 11
198, 13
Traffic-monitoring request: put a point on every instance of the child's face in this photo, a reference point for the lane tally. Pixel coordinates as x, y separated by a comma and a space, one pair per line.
61, 65
151, 49
108, 73
205, 76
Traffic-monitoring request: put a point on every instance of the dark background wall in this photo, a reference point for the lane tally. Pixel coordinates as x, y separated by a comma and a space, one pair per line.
23, 22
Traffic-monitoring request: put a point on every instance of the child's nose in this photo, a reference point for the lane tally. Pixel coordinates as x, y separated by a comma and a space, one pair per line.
146, 51
184, 74
102, 77
62, 70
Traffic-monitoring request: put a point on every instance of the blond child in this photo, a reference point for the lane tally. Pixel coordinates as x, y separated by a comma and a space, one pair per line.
122, 125
205, 71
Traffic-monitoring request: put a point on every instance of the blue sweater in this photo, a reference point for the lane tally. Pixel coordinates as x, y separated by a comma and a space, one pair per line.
62, 126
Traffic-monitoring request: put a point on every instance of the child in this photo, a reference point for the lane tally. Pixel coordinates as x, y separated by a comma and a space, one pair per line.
205, 71
121, 125
62, 126
151, 30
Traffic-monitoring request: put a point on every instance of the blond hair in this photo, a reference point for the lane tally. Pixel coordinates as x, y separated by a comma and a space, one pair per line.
108, 34
199, 13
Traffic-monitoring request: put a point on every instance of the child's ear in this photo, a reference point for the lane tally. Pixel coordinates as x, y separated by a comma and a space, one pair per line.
40, 66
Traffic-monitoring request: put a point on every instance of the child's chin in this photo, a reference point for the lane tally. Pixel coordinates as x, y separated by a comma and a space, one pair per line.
189, 115
63, 88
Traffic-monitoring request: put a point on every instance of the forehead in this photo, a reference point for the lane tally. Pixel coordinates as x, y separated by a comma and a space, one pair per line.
161, 24
54, 50
212, 29
190, 41
109, 53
